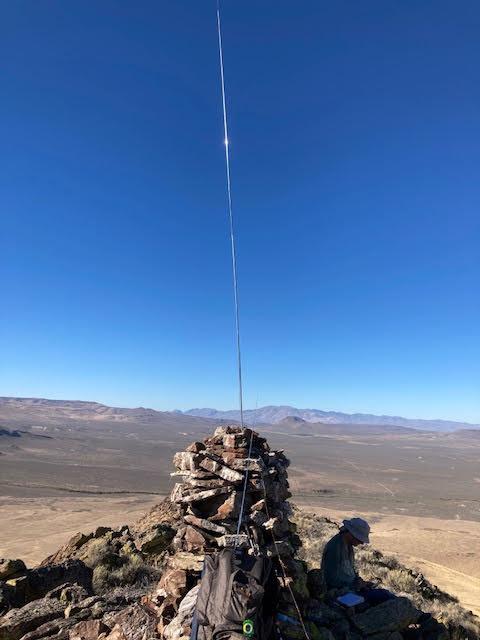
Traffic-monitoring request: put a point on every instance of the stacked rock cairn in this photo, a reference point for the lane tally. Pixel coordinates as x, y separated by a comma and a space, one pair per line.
210, 498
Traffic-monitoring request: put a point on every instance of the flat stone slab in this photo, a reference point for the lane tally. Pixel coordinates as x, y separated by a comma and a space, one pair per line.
221, 470
203, 523
393, 615
198, 496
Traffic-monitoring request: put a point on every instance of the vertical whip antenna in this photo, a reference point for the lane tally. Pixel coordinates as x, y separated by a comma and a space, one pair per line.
230, 215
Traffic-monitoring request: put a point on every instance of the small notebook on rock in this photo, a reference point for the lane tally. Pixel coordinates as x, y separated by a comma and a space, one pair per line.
350, 599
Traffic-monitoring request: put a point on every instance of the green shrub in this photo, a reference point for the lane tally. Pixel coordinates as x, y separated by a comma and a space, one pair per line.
132, 571
98, 552
115, 565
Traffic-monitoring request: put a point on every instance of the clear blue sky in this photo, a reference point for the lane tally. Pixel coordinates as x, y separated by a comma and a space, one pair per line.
355, 140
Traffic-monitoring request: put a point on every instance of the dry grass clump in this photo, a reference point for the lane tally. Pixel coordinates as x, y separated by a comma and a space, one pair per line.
389, 573
132, 571
112, 568
461, 624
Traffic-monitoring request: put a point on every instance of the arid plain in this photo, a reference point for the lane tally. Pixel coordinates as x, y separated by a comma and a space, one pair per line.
68, 467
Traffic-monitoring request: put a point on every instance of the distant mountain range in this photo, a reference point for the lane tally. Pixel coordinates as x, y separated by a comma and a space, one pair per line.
277, 414
43, 414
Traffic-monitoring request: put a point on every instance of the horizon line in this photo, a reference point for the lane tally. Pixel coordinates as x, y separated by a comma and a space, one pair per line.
185, 411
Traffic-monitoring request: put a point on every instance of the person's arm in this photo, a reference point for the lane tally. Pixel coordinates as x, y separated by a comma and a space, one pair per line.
360, 583
358, 579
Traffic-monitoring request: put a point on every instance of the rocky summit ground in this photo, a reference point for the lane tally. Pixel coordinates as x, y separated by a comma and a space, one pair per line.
140, 582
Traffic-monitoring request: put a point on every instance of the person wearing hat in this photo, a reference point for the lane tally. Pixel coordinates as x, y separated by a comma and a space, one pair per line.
338, 562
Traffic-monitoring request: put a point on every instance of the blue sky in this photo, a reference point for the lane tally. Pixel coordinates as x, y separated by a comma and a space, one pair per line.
354, 133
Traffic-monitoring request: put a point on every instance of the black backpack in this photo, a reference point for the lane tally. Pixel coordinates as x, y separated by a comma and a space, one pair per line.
236, 599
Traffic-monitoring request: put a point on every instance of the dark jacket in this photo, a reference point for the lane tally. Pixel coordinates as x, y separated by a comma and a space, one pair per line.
338, 564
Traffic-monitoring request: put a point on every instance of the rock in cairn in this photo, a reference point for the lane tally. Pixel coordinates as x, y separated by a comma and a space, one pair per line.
209, 498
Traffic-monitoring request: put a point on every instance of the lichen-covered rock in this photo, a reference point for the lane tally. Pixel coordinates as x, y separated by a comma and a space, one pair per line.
181, 625
18, 593
68, 593
322, 614
69, 549
135, 623
393, 615
194, 539
187, 561
205, 524
57, 629
7, 594
106, 546
172, 583
155, 539
37, 583
11, 568
221, 470
45, 578
149, 530
17, 622
88, 630
74, 609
